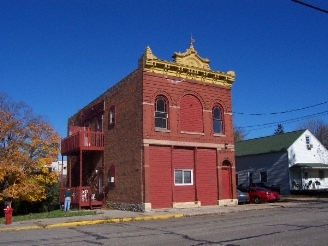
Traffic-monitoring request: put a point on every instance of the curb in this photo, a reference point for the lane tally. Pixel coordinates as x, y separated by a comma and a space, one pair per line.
23, 228
93, 222
114, 220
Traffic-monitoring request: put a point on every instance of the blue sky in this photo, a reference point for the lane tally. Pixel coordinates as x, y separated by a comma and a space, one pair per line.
59, 55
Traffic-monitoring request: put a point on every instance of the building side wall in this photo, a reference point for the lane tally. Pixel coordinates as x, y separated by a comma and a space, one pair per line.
275, 164
123, 140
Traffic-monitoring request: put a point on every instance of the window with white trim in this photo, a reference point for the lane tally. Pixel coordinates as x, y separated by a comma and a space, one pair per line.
217, 120
309, 146
307, 140
183, 177
111, 118
161, 115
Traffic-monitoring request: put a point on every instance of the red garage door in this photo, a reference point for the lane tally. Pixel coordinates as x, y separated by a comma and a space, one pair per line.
183, 159
160, 177
206, 177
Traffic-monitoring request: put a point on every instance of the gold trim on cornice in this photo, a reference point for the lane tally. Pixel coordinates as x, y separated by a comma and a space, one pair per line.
187, 65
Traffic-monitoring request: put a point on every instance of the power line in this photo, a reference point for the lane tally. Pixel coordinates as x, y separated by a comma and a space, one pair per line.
311, 6
281, 112
265, 125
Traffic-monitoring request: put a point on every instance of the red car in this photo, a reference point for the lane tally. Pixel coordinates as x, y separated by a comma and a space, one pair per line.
276, 195
259, 194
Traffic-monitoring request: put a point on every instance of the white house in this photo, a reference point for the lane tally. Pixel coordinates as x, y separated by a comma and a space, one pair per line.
294, 160
59, 167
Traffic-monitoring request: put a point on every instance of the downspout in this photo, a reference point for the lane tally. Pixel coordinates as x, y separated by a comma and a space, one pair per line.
61, 173
80, 188
172, 175
301, 188
195, 173
104, 181
70, 172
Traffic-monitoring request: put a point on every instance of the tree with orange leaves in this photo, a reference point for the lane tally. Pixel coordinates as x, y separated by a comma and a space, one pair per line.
27, 144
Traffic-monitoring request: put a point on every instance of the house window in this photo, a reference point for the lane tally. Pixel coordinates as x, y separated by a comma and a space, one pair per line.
183, 177
161, 114
250, 178
111, 120
307, 139
306, 175
264, 176
99, 124
321, 174
309, 146
217, 120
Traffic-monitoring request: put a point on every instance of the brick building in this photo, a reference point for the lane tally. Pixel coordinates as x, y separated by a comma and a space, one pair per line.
161, 137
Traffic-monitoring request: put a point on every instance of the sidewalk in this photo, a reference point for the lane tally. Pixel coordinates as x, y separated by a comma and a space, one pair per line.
103, 216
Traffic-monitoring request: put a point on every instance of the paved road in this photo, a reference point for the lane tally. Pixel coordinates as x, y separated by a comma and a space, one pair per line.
304, 224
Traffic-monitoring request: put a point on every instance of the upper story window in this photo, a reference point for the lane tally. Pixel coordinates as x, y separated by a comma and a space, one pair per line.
161, 114
309, 146
307, 139
99, 124
191, 115
111, 116
217, 120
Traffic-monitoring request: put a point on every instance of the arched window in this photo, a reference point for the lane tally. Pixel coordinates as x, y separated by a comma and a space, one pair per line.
217, 120
161, 115
191, 114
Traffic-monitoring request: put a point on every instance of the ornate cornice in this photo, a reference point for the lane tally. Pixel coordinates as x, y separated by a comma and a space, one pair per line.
187, 65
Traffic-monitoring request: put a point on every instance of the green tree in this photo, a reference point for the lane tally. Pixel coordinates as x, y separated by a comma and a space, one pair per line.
279, 130
27, 144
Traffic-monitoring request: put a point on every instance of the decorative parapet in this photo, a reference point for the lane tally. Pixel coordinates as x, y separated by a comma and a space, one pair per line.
187, 65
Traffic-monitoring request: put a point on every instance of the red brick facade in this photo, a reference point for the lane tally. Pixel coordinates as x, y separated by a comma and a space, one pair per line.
140, 161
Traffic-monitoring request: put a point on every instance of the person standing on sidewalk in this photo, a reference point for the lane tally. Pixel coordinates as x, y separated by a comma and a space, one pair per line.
67, 202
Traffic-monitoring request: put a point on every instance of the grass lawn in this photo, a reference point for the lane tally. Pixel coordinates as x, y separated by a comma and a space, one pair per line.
52, 214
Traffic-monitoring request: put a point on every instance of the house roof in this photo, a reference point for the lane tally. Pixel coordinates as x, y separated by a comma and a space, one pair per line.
274, 143
310, 165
